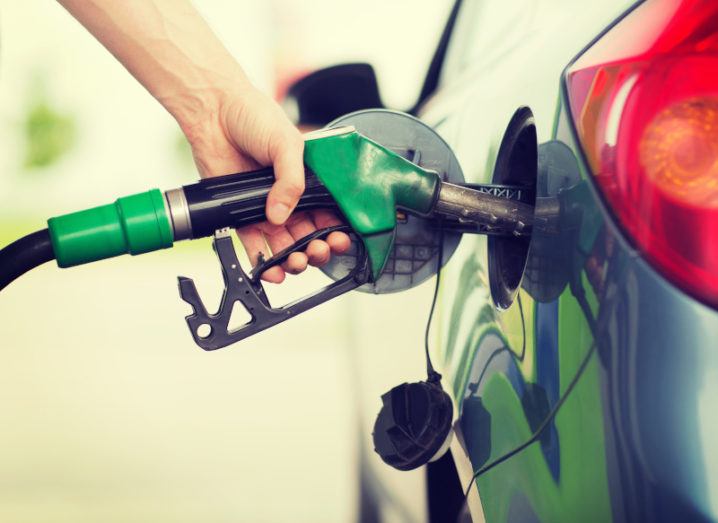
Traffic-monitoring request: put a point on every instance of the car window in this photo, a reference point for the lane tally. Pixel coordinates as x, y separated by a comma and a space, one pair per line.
485, 30
489, 31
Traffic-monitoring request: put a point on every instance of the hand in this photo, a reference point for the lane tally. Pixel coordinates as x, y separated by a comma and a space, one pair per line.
248, 130
230, 125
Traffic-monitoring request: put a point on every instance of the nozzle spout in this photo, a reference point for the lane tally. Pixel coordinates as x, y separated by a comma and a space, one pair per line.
493, 214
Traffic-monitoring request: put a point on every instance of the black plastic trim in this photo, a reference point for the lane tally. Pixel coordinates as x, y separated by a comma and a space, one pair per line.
516, 164
431, 81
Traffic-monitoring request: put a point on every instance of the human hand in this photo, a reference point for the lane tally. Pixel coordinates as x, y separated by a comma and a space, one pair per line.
247, 130
230, 125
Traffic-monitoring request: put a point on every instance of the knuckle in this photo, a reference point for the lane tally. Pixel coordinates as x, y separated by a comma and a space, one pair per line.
295, 264
290, 142
297, 142
296, 223
273, 275
270, 230
319, 252
292, 188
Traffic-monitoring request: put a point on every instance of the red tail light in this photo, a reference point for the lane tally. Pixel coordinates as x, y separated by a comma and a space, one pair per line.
644, 99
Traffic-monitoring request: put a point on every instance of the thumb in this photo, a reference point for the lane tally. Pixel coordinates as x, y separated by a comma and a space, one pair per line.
288, 161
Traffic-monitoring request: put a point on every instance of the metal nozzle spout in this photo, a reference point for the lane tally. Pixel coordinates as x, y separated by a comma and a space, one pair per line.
493, 214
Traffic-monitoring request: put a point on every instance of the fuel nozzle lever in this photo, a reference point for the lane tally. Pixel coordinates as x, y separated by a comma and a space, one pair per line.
212, 331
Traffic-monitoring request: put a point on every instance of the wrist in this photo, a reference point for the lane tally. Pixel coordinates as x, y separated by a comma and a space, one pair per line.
202, 117
199, 107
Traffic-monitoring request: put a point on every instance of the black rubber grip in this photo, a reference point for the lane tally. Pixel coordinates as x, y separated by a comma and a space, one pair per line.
237, 200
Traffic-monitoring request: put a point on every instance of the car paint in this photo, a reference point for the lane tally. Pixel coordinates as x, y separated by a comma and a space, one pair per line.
593, 404
489, 71
633, 439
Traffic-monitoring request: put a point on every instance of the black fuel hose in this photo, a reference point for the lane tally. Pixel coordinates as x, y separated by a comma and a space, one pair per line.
24, 255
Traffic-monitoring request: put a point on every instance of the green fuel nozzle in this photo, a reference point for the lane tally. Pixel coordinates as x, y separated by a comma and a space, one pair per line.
375, 189
346, 171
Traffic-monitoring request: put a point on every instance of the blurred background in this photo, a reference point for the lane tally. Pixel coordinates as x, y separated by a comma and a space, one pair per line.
108, 410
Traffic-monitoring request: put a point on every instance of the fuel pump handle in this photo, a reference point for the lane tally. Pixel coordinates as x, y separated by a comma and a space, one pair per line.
345, 170
361, 179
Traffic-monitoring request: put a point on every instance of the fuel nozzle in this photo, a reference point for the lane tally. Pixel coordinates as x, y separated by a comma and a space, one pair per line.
338, 176
346, 171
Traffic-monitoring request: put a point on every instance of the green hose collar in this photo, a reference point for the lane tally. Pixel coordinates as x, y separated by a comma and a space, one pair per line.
131, 225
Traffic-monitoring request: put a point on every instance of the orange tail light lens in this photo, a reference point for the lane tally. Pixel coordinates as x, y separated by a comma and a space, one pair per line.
644, 99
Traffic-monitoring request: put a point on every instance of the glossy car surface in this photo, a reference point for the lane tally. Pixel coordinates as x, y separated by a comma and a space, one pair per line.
589, 398
587, 394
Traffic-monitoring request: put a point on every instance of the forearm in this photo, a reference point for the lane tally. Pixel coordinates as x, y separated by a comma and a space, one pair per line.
230, 126
170, 49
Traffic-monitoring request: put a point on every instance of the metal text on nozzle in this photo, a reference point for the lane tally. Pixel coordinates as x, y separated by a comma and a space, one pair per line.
496, 214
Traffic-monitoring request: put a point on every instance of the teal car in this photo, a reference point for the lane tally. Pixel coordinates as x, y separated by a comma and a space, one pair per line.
583, 365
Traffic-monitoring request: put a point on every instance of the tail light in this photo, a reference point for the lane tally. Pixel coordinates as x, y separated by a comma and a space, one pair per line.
644, 99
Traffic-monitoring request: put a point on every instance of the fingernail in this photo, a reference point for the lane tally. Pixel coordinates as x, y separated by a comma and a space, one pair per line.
278, 213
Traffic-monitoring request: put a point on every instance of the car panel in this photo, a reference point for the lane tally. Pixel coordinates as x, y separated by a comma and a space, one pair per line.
475, 131
556, 435
635, 413
510, 371
627, 435
526, 488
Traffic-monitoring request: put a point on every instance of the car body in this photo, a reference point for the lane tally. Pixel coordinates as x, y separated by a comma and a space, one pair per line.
598, 393
588, 396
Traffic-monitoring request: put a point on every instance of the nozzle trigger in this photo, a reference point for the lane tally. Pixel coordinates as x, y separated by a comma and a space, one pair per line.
211, 331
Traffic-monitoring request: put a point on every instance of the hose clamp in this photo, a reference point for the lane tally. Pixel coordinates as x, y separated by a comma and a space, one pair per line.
179, 214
